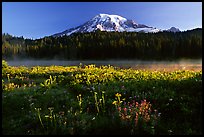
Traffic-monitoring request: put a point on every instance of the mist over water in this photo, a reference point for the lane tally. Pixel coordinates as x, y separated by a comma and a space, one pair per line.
191, 64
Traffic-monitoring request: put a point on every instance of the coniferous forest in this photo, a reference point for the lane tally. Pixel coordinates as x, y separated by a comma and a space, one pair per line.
106, 45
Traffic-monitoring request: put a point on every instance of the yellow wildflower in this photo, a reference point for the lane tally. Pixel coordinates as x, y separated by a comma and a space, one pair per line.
118, 95
114, 102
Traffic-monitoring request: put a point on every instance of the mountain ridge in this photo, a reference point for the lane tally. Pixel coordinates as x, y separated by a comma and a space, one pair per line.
107, 22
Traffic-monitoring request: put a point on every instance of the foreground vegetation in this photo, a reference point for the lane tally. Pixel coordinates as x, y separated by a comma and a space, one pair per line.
100, 100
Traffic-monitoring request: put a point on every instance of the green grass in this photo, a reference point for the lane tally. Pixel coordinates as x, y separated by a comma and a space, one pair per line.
79, 100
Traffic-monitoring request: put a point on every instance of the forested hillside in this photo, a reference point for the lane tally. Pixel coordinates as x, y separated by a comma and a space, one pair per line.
107, 45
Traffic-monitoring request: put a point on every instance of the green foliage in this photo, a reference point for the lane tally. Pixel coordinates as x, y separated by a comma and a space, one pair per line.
79, 100
49, 82
4, 64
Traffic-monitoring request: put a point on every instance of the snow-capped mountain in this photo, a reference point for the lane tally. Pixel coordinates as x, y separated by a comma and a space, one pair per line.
173, 29
106, 22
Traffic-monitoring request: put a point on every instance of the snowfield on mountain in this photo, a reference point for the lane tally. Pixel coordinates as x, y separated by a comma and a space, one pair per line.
106, 22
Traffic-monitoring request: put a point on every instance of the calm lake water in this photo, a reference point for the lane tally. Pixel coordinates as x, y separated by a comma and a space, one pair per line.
187, 64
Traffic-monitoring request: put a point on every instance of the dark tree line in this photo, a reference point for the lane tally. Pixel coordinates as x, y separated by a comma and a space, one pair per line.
107, 45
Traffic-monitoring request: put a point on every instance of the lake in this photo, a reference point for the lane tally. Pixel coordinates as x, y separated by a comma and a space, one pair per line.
184, 64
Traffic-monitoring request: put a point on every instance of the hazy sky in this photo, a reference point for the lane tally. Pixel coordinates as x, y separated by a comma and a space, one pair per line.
39, 19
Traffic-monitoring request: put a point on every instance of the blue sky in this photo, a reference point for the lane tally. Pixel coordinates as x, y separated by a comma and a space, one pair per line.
39, 19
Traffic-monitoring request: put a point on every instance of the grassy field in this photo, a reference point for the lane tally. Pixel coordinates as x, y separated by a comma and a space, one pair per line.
100, 100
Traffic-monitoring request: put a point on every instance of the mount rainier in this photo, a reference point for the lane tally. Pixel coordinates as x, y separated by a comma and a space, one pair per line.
106, 22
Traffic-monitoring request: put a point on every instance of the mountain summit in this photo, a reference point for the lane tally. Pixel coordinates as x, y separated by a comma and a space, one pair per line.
173, 29
106, 22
